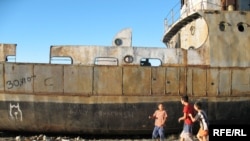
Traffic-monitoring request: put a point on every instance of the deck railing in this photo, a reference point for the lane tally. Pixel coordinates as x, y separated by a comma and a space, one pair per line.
178, 12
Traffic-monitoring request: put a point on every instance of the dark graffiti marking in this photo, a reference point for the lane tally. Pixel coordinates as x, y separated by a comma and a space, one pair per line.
19, 82
120, 111
48, 81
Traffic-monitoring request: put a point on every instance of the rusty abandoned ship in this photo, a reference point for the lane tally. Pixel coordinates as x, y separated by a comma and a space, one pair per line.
113, 89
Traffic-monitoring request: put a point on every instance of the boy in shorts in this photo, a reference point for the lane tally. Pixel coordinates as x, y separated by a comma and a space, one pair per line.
201, 116
187, 132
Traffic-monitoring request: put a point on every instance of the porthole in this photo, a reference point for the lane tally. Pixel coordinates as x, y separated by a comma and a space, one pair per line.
240, 27
128, 59
191, 48
118, 42
222, 26
192, 30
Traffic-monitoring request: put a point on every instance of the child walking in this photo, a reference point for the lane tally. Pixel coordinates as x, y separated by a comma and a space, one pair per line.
187, 131
201, 116
160, 117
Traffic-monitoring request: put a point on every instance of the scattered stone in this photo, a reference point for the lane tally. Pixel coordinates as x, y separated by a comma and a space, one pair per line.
18, 138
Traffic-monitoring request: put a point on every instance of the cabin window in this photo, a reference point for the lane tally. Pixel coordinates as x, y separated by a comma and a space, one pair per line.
10, 59
118, 42
222, 25
106, 61
61, 60
192, 30
191, 48
241, 26
128, 59
154, 62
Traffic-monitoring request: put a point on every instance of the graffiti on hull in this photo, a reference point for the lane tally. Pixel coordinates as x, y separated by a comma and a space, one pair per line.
16, 112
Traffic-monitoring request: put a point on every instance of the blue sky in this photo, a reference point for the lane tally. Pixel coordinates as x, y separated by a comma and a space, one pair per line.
35, 25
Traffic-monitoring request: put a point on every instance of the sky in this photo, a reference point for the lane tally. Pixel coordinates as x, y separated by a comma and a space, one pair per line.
35, 25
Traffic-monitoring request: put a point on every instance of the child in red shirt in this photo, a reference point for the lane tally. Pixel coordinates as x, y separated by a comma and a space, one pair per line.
187, 132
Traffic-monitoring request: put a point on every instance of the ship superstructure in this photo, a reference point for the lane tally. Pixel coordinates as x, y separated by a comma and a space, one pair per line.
113, 89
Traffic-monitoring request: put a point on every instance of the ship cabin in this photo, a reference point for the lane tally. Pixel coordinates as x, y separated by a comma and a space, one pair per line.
213, 33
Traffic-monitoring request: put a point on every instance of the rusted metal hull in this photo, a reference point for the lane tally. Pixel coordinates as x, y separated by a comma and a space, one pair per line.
114, 99
107, 115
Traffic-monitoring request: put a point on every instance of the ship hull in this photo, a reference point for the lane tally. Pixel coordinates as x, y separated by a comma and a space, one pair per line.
107, 114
